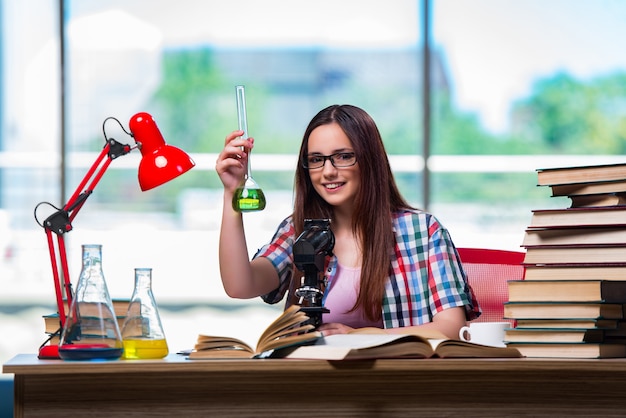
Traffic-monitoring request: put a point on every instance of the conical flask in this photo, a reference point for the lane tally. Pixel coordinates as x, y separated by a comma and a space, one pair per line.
142, 331
91, 330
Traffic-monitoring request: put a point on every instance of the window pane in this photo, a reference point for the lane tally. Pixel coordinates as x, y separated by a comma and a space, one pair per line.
181, 65
29, 167
523, 78
180, 62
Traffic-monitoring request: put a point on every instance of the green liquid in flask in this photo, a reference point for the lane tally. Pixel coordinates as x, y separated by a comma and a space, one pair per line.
248, 200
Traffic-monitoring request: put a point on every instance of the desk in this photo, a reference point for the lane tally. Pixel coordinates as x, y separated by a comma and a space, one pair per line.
176, 387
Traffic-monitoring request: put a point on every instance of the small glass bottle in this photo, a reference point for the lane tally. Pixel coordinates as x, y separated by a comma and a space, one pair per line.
142, 331
91, 330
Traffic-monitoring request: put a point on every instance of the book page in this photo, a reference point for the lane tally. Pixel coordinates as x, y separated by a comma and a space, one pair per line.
290, 317
206, 342
362, 346
219, 353
289, 325
359, 341
426, 334
290, 340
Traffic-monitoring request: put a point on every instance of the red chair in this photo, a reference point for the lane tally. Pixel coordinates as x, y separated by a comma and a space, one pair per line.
487, 273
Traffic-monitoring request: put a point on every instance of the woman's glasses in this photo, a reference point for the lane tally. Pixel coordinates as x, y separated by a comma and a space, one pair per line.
338, 160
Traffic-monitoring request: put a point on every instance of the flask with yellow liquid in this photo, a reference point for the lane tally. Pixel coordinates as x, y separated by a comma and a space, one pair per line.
142, 332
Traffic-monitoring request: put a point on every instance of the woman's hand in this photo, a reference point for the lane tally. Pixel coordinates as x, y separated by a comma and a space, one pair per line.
334, 328
232, 162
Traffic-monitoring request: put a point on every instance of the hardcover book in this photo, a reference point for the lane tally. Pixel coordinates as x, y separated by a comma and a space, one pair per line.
581, 174
613, 271
605, 324
557, 335
563, 310
541, 237
610, 216
291, 328
610, 291
575, 254
583, 189
602, 199
361, 345
570, 350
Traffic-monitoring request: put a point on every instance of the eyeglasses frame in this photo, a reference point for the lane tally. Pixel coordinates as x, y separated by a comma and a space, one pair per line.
329, 158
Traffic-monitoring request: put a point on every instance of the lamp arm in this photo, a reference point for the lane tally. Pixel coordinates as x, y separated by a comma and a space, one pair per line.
60, 222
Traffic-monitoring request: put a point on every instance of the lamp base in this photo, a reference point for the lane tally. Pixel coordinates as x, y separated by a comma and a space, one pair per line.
49, 352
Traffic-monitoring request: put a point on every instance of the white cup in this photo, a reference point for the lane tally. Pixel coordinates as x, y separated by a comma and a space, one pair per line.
485, 333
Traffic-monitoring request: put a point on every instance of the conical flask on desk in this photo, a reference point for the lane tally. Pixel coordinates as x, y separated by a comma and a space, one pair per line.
91, 330
142, 331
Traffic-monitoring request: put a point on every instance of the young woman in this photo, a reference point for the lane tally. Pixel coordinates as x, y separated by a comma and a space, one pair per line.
393, 266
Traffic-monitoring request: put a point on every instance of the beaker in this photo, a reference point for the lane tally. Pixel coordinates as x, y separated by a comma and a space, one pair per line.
142, 331
91, 330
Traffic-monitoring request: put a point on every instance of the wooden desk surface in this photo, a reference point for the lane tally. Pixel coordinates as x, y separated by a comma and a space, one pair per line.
176, 386
29, 364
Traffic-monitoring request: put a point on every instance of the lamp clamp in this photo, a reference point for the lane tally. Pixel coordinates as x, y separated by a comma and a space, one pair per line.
117, 149
58, 222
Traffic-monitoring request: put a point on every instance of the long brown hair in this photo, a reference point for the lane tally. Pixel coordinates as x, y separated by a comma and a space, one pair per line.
377, 198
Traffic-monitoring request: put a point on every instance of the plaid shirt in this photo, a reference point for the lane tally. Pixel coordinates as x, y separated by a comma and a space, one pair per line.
426, 275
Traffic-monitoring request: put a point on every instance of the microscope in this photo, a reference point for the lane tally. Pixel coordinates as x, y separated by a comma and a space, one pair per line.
309, 253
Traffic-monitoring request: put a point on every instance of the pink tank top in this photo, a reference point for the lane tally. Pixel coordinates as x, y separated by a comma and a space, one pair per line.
341, 297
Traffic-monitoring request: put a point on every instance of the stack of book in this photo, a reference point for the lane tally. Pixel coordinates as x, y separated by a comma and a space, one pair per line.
572, 300
52, 324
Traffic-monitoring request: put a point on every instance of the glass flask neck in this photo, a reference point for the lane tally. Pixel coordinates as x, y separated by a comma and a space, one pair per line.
92, 255
143, 280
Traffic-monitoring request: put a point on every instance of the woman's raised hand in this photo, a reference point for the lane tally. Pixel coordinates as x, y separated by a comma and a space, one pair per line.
231, 162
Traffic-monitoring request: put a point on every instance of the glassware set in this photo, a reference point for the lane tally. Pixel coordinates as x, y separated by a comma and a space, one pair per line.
92, 331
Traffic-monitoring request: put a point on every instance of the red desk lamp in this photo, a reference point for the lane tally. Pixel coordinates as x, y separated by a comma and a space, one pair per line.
159, 164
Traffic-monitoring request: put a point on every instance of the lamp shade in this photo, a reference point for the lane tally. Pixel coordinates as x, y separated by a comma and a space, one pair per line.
160, 162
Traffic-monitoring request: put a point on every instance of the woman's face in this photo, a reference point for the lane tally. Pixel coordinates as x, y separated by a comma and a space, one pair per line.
336, 185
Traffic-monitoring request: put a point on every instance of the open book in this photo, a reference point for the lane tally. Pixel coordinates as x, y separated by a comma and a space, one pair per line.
370, 343
291, 328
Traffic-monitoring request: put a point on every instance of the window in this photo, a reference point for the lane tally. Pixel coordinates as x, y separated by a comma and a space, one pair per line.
515, 86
